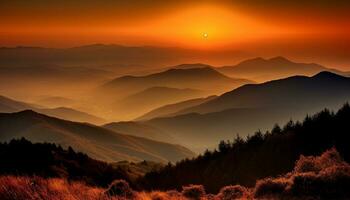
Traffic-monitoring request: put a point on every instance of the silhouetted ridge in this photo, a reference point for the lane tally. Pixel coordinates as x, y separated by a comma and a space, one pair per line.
329, 75
280, 59
260, 155
97, 142
191, 66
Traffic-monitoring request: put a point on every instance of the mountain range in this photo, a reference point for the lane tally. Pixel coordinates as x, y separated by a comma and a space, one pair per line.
196, 77
255, 106
140, 129
8, 105
261, 70
144, 101
172, 109
244, 161
97, 142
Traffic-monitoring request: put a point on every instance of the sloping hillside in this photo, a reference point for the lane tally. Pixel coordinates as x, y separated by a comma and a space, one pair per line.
172, 109
142, 102
96, 141
253, 107
204, 78
262, 155
140, 129
8, 105
323, 88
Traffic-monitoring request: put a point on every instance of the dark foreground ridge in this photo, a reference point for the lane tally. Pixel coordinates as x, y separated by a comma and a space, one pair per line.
261, 155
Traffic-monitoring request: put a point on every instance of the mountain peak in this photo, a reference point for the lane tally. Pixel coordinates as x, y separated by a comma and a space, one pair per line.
279, 59
191, 66
27, 112
328, 75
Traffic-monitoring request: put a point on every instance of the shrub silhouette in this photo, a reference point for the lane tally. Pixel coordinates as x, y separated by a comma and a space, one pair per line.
232, 192
193, 192
326, 177
120, 188
315, 164
270, 187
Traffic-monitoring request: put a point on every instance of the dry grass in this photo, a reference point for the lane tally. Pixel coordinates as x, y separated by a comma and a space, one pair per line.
323, 177
34, 188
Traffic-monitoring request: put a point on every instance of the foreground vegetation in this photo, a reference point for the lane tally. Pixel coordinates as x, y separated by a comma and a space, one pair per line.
260, 155
323, 177
24, 158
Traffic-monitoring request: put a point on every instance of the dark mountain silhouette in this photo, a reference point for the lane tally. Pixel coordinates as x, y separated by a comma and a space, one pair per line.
261, 155
261, 70
141, 130
96, 141
136, 104
252, 107
324, 87
204, 78
172, 109
8, 105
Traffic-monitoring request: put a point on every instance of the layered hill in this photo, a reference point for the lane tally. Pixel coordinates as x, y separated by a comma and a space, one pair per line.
97, 142
71, 114
47, 79
8, 105
172, 109
255, 106
140, 129
144, 101
55, 101
203, 78
296, 91
261, 70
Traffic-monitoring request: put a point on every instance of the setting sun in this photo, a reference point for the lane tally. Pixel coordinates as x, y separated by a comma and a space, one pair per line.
205, 35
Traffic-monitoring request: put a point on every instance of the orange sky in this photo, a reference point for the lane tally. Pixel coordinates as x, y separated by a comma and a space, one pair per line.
250, 24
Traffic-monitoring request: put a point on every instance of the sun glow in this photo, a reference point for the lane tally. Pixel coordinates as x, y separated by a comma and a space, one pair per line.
224, 27
205, 35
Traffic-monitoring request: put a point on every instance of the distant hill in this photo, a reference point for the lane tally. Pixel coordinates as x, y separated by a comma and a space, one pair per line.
203, 78
55, 101
261, 70
172, 109
263, 155
296, 91
8, 105
51, 80
97, 142
140, 129
71, 114
139, 103
255, 106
